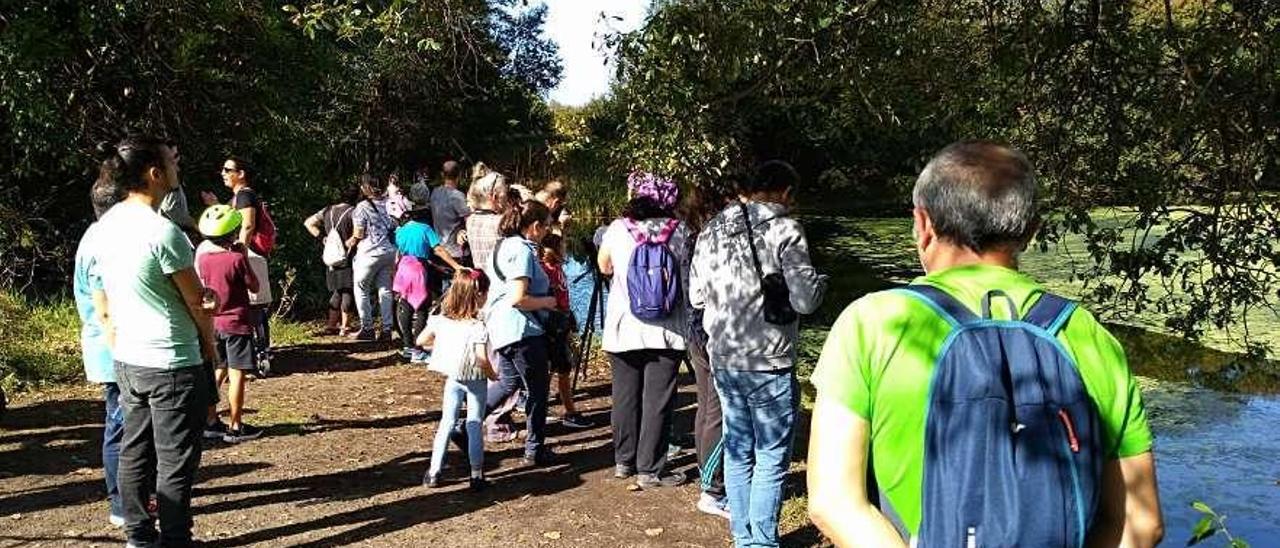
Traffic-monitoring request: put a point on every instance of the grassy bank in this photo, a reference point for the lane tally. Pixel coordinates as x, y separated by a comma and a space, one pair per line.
39, 342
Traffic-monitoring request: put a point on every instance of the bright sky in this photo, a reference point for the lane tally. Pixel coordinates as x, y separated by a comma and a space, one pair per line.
574, 26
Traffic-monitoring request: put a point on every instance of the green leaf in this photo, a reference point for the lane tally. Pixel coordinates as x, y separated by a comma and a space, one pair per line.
290, 8
1202, 508
1202, 530
1239, 543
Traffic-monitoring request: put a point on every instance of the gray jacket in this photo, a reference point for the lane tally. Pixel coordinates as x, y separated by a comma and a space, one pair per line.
723, 282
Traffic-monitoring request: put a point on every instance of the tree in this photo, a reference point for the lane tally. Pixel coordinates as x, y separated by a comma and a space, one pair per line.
312, 95
1166, 108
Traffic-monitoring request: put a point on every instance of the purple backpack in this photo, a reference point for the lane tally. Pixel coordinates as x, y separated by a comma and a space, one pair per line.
653, 276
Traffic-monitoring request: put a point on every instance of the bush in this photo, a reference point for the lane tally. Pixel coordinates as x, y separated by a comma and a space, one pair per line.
39, 342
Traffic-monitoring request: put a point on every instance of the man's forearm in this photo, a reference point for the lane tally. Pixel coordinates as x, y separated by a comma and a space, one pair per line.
849, 523
204, 326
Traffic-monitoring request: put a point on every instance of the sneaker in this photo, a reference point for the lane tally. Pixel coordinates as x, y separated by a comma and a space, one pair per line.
115, 521
649, 481
385, 336
419, 357
246, 432
544, 457
577, 421
262, 367
431, 480
215, 430
709, 504
478, 484
361, 335
406, 354
622, 471
673, 451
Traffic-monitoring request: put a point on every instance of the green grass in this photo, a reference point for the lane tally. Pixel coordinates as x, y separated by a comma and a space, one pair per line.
39, 343
290, 332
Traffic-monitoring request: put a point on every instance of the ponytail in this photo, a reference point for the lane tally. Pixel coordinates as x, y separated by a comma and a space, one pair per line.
125, 163
516, 219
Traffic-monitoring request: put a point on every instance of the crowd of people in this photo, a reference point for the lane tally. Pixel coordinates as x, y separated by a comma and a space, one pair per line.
472, 284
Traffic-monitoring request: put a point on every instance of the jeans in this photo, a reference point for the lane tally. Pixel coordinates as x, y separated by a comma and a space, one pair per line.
760, 409
525, 362
708, 420
164, 410
644, 385
373, 274
454, 393
112, 435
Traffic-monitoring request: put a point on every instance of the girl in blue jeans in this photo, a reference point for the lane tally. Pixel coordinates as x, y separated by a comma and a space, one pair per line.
457, 340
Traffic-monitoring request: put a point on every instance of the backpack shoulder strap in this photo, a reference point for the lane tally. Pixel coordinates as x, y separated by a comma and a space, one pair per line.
948, 307
1050, 312
634, 230
494, 259
668, 229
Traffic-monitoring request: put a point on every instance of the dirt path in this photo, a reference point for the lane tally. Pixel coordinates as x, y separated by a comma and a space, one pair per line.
346, 446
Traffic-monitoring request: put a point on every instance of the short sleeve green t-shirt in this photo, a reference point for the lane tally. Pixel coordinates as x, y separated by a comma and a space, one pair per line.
153, 327
879, 357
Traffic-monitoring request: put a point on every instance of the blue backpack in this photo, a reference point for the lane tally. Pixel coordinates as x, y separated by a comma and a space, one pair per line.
653, 275
1012, 452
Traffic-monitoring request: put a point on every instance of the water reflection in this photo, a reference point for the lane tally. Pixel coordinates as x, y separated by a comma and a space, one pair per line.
1221, 449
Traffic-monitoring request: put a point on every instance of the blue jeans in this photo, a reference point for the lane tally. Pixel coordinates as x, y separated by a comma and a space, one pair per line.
759, 423
524, 363
112, 435
373, 276
454, 392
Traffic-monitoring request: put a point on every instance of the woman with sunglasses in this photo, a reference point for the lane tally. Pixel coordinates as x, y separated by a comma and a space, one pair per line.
237, 175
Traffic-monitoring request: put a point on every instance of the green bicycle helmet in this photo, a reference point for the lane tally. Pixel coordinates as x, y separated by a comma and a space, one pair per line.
219, 220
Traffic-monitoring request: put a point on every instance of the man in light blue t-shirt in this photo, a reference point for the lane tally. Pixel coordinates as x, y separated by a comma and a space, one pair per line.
161, 338
91, 303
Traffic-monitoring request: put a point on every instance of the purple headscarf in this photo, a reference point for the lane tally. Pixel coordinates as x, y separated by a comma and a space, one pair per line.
660, 189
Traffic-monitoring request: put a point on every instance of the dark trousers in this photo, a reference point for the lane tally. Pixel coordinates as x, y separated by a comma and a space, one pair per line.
262, 331
410, 320
708, 424
164, 412
524, 363
112, 435
644, 387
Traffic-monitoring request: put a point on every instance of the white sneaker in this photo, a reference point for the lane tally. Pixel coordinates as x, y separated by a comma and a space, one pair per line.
708, 504
117, 521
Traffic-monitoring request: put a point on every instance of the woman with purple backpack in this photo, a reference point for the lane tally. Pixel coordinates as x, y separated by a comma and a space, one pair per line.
644, 328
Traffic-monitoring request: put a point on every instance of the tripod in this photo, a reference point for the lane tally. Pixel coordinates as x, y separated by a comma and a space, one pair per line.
595, 314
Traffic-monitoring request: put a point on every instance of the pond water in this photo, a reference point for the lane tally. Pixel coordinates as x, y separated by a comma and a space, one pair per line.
1219, 447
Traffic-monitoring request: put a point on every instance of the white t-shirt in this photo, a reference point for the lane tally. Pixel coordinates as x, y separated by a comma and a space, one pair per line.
454, 340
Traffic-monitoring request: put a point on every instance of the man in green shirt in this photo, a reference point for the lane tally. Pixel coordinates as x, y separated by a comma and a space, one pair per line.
974, 213
160, 336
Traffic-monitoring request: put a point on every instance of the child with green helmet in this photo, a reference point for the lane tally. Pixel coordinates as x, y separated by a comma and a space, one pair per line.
223, 266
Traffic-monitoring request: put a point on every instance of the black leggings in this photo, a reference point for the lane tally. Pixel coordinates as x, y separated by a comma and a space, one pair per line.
344, 300
410, 320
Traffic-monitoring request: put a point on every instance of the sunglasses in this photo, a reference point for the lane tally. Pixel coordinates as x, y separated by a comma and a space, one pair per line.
229, 169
